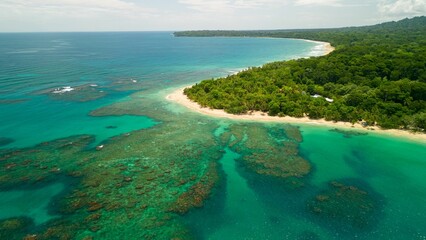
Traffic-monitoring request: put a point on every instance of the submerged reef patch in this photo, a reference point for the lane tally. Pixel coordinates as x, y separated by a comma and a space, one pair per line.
348, 133
197, 193
42, 163
346, 207
5, 141
136, 186
13, 101
269, 150
15, 228
82, 93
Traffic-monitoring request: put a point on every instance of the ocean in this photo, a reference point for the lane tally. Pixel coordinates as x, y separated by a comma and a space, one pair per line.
89, 137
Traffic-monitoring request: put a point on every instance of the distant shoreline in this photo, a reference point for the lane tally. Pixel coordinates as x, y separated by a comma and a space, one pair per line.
326, 46
179, 97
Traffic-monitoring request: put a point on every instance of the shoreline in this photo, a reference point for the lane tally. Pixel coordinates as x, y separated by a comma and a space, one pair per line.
177, 96
327, 48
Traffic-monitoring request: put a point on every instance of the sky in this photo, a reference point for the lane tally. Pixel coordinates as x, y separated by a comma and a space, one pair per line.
171, 15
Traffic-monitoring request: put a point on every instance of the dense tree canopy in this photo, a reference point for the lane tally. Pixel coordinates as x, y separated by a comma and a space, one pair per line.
377, 73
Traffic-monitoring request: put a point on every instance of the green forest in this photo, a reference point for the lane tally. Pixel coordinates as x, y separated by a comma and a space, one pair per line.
377, 74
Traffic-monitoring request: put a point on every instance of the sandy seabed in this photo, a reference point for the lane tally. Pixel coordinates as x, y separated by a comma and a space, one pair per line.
179, 97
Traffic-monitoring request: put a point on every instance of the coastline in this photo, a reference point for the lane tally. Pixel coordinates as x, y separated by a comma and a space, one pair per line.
326, 46
179, 97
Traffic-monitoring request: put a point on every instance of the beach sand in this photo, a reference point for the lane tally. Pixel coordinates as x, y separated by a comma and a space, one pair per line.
326, 46
179, 97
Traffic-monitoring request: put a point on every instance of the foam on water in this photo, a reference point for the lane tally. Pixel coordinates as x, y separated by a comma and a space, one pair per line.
63, 90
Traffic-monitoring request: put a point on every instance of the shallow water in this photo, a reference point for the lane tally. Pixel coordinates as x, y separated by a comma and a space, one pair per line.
255, 207
164, 172
29, 203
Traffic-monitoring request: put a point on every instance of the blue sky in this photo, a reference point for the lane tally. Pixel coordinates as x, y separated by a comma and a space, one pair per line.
144, 15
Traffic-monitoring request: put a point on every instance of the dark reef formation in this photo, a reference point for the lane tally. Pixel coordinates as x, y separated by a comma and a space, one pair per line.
346, 206
5, 141
271, 151
348, 133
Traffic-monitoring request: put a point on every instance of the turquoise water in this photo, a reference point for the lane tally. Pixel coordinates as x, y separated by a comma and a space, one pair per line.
30, 203
34, 64
253, 207
393, 167
356, 187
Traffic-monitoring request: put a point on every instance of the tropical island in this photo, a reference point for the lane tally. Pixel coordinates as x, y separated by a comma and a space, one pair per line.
376, 75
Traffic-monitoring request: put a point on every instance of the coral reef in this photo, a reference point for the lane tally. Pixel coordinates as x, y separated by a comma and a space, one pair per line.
197, 193
44, 162
267, 150
14, 228
138, 184
128, 188
345, 205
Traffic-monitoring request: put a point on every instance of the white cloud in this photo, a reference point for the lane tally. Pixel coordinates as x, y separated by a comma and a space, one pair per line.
333, 3
74, 15
224, 6
257, 3
127, 15
66, 6
402, 8
207, 6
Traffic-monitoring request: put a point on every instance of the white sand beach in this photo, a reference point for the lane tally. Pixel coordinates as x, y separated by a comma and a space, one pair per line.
179, 97
326, 46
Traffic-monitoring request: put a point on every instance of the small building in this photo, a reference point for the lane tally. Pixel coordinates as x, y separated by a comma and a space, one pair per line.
326, 99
